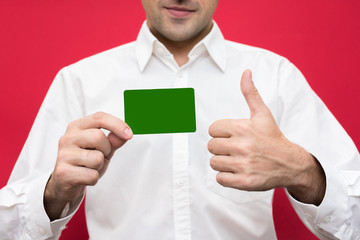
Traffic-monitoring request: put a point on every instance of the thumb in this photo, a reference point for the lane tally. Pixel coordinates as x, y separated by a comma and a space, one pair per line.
251, 94
116, 142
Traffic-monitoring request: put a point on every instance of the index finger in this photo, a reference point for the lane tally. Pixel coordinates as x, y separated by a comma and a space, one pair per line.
105, 121
221, 128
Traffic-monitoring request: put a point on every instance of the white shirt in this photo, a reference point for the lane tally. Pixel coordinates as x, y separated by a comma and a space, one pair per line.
161, 186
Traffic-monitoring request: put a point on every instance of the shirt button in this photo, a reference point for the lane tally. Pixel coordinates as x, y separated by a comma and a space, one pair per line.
180, 74
327, 219
179, 182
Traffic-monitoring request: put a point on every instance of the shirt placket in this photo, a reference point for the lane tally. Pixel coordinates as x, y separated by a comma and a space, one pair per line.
181, 197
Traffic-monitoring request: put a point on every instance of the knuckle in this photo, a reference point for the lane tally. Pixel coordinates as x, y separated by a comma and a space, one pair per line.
255, 90
98, 136
242, 126
249, 149
246, 165
243, 148
72, 125
63, 156
236, 146
93, 177
238, 165
99, 116
63, 141
98, 159
60, 172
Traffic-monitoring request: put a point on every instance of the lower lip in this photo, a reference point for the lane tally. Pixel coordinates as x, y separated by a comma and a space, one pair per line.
178, 13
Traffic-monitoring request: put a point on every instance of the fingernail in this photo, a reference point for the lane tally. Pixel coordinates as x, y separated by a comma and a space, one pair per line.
128, 133
249, 73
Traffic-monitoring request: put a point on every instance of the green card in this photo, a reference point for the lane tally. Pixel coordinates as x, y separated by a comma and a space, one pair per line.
160, 110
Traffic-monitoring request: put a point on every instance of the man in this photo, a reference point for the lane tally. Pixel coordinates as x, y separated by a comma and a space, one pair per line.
162, 186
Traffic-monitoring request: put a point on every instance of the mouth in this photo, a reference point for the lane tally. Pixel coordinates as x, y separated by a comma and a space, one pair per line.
179, 12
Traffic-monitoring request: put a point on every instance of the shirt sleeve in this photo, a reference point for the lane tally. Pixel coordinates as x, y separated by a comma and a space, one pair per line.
22, 213
306, 121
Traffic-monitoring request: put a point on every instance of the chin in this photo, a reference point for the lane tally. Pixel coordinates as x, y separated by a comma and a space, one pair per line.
179, 35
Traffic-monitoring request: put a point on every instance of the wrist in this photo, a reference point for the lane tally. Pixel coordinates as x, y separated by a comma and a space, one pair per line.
52, 204
309, 182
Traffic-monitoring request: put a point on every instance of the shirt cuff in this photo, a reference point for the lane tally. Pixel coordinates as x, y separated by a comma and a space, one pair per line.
70, 209
38, 225
331, 218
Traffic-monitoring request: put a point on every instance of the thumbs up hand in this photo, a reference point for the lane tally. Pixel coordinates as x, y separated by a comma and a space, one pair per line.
253, 154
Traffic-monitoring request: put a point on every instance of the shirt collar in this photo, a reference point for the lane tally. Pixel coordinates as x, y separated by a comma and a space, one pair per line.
214, 44
144, 46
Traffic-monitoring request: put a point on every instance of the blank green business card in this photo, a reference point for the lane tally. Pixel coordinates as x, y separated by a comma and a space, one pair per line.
150, 111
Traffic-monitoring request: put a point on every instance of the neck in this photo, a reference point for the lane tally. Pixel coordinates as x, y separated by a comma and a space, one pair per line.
181, 49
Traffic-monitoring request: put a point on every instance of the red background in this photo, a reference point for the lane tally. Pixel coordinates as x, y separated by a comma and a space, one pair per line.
38, 37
